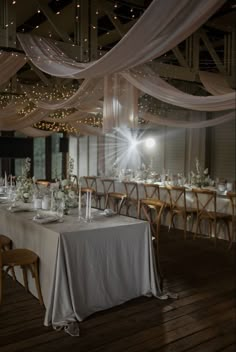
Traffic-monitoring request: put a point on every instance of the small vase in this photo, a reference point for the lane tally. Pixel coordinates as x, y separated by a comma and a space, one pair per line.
66, 211
25, 200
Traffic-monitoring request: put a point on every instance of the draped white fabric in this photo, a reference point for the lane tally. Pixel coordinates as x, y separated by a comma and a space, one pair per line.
215, 83
153, 85
10, 63
160, 28
10, 110
90, 91
17, 122
88, 130
156, 119
120, 106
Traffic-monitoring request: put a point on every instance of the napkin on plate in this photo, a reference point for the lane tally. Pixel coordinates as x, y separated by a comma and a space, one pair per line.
46, 219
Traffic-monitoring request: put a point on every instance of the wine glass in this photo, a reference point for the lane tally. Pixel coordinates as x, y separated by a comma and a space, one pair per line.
60, 211
12, 198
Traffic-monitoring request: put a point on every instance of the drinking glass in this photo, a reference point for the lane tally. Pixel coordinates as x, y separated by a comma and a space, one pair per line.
12, 198
60, 211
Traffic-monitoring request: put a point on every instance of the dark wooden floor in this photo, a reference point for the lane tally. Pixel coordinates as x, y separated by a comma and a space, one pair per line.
201, 320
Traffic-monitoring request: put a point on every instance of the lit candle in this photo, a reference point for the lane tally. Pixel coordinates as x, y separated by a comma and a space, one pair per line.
87, 200
5, 179
90, 198
79, 204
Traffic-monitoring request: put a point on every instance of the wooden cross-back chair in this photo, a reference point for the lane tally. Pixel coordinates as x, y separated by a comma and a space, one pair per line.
43, 183
112, 198
91, 182
232, 198
151, 190
152, 210
20, 257
178, 207
132, 196
206, 211
74, 183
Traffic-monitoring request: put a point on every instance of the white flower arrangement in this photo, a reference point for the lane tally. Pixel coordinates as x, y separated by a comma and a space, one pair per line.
24, 188
201, 176
65, 193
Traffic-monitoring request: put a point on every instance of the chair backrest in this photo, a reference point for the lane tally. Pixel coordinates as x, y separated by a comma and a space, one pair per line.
154, 220
232, 198
91, 182
108, 185
43, 183
206, 202
177, 196
131, 189
74, 181
151, 190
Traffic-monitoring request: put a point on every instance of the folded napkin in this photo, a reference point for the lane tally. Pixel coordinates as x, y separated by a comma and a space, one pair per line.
20, 209
108, 212
46, 219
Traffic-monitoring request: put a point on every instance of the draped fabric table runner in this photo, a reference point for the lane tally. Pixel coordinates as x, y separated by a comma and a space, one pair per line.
86, 267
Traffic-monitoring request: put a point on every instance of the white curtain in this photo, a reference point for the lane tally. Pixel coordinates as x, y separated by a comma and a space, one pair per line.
150, 83
215, 83
164, 24
120, 107
10, 63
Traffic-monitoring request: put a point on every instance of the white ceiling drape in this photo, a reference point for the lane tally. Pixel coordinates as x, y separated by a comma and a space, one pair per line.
90, 91
120, 106
156, 119
147, 39
10, 63
159, 29
155, 86
18, 122
215, 83
11, 109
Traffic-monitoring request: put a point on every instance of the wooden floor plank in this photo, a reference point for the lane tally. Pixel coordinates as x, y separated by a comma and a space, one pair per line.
201, 320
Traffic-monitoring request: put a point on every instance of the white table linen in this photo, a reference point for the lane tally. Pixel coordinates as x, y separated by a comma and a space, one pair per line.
86, 267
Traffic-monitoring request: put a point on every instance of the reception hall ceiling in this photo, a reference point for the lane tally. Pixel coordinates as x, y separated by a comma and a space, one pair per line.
109, 20
89, 29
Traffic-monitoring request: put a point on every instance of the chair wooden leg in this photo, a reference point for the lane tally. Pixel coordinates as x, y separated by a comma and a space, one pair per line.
1, 284
185, 226
37, 282
24, 270
231, 234
197, 228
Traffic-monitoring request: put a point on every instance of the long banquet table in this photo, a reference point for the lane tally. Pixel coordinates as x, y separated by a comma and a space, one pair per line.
222, 202
85, 267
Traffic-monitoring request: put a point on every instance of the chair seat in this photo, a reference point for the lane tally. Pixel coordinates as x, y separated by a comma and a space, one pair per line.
25, 259
117, 195
182, 210
19, 257
152, 202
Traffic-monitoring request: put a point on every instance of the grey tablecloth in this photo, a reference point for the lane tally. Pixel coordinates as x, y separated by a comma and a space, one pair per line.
86, 267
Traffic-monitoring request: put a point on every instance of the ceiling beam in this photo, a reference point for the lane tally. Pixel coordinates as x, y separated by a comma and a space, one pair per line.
54, 20
113, 35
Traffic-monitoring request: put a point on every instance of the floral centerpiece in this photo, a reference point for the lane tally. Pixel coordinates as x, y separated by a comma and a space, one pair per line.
66, 193
24, 183
200, 177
